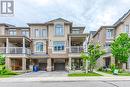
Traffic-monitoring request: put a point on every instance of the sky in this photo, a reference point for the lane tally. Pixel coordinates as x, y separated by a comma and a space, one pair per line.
89, 13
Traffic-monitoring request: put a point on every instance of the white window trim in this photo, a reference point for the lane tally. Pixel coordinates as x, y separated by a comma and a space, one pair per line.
128, 28
59, 52
12, 30
39, 37
62, 23
44, 47
25, 31
111, 35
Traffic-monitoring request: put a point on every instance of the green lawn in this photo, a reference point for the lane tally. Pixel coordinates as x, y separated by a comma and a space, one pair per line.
83, 74
6, 76
119, 74
124, 74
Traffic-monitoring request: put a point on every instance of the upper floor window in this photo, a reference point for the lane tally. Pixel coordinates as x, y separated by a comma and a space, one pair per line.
126, 29
25, 33
12, 32
59, 30
59, 45
39, 47
75, 31
109, 33
44, 33
40, 33
37, 32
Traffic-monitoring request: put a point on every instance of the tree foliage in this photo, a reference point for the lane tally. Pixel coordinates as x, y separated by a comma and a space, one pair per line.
93, 53
2, 59
120, 48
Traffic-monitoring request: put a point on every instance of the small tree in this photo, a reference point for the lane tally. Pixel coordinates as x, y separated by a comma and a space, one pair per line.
85, 58
120, 48
2, 59
94, 52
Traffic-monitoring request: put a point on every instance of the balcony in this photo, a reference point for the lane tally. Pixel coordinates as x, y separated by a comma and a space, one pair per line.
14, 50
76, 49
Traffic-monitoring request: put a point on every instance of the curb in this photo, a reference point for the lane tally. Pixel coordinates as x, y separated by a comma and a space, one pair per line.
64, 79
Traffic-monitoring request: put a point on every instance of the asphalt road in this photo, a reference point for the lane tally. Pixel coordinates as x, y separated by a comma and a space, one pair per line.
67, 84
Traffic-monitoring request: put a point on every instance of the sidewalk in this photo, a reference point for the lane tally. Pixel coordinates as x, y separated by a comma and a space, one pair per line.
63, 79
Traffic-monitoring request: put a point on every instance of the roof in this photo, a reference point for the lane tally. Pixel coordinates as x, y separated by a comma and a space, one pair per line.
102, 28
7, 25
17, 28
51, 21
59, 19
78, 27
119, 21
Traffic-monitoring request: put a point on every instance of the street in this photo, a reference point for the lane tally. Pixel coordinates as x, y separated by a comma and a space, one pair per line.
67, 84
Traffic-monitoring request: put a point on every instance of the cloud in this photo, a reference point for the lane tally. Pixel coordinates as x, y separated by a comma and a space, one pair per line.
89, 13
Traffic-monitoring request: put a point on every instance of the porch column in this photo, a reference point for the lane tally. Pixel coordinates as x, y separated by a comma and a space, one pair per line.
112, 60
24, 64
8, 63
70, 63
23, 45
7, 45
49, 64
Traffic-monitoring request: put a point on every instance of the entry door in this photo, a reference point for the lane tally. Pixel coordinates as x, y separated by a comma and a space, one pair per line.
107, 62
59, 66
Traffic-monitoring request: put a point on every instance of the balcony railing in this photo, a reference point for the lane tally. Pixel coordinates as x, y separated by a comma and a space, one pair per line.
15, 50
2, 49
76, 49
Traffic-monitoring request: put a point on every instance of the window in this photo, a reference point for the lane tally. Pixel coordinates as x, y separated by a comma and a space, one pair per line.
44, 33
109, 33
39, 47
127, 29
25, 33
37, 32
75, 31
59, 45
12, 32
59, 30
40, 33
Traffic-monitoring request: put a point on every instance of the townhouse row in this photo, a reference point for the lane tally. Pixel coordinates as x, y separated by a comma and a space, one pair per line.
104, 37
53, 45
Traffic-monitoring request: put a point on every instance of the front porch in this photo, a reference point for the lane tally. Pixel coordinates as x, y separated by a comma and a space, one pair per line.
14, 45
75, 63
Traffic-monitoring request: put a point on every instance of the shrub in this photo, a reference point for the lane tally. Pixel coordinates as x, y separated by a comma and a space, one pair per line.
120, 71
4, 71
2, 59
7, 72
100, 69
113, 67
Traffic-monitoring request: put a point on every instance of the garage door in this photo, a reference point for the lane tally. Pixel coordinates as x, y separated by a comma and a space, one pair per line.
59, 66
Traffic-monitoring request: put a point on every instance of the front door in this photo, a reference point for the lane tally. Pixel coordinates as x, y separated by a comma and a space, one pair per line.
107, 62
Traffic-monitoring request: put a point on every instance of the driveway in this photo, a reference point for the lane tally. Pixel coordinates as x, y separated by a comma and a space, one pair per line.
44, 74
